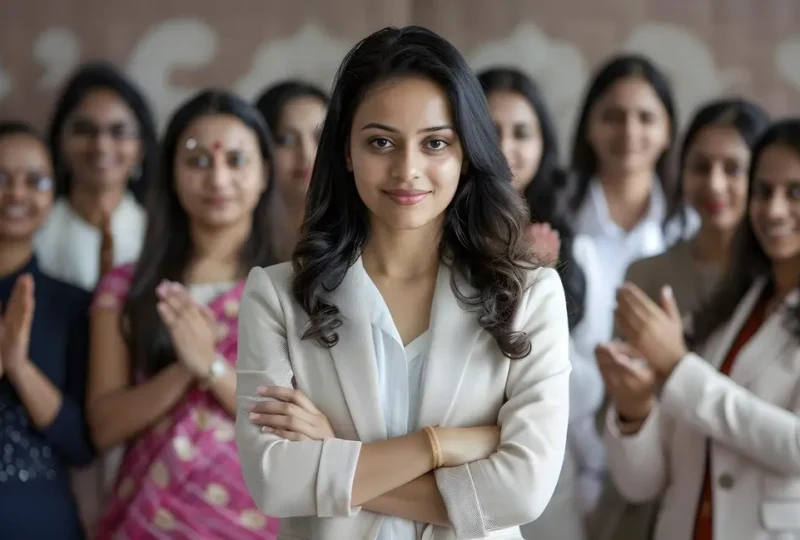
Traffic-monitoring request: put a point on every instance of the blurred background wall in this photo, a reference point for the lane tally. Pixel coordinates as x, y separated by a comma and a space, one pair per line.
174, 47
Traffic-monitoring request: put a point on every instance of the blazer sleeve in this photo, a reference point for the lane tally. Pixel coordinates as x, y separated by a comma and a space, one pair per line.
514, 485
715, 405
638, 463
285, 478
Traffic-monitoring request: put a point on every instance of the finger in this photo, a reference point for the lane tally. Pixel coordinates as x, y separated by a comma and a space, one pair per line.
288, 435
175, 298
207, 314
639, 300
282, 408
167, 313
289, 394
281, 422
19, 312
668, 303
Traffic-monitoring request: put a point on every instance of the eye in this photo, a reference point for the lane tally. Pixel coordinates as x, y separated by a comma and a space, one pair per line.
380, 143
237, 160
287, 140
437, 144
200, 161
39, 182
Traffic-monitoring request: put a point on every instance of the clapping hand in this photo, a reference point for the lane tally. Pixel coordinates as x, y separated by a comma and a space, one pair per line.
628, 380
655, 331
15, 328
191, 326
546, 243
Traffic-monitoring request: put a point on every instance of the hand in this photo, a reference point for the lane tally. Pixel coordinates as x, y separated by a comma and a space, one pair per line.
15, 329
631, 384
656, 332
465, 445
292, 416
191, 327
546, 243
106, 245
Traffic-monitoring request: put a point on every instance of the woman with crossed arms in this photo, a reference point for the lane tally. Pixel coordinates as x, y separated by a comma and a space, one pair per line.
716, 437
408, 372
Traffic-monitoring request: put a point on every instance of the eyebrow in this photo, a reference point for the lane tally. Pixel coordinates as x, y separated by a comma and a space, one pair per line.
384, 127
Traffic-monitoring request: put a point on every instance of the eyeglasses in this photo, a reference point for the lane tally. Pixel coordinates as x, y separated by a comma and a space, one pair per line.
32, 180
117, 131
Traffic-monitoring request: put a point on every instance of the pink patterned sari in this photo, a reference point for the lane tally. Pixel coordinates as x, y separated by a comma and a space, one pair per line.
181, 479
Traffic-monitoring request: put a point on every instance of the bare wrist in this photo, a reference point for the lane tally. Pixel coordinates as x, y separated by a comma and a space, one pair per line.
18, 372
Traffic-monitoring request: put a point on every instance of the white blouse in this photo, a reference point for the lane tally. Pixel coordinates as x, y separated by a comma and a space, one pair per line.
68, 248
400, 372
604, 250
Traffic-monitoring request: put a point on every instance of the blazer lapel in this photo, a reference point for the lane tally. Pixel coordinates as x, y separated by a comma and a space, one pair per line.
721, 342
354, 355
453, 334
771, 343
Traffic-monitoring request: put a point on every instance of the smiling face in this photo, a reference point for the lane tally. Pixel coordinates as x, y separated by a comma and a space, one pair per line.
628, 127
775, 203
520, 134
405, 154
715, 176
219, 171
100, 141
26, 186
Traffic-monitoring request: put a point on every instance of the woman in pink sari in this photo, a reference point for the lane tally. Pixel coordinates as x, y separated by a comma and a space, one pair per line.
164, 334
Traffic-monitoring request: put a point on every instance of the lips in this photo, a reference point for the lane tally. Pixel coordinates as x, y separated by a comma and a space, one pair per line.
406, 197
714, 207
779, 231
16, 211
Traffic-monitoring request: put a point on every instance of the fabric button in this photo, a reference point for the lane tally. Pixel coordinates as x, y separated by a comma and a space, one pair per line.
725, 481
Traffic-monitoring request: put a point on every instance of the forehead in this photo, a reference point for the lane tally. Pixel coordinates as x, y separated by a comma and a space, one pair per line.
303, 109
718, 140
778, 164
22, 150
104, 104
405, 104
226, 129
511, 105
632, 92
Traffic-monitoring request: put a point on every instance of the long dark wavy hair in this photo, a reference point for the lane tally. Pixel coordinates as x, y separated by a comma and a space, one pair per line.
168, 249
483, 237
749, 262
583, 163
543, 192
275, 98
90, 77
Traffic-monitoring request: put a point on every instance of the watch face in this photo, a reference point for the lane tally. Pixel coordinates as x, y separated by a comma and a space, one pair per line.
218, 367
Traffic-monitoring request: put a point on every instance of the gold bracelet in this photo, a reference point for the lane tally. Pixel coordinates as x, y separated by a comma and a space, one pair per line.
436, 450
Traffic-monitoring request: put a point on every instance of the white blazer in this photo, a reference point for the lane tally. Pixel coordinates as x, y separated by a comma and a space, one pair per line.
468, 382
751, 420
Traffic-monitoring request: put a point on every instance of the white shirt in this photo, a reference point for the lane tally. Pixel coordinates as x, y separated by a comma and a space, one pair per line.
400, 374
68, 248
604, 250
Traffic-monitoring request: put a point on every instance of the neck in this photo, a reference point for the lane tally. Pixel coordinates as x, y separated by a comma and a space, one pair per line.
219, 244
402, 254
785, 277
91, 205
628, 188
711, 245
15, 255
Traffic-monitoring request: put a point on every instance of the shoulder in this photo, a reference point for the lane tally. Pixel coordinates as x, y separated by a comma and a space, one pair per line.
273, 283
68, 297
544, 295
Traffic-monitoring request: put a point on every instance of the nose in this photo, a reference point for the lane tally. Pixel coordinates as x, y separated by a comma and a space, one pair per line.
405, 163
308, 151
717, 180
220, 175
778, 205
16, 190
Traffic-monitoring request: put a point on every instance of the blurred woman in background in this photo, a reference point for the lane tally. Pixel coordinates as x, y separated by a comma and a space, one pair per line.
528, 140
104, 147
295, 112
164, 332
